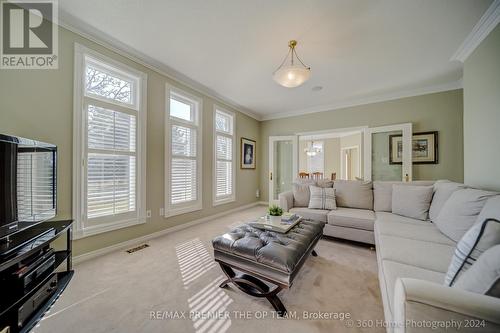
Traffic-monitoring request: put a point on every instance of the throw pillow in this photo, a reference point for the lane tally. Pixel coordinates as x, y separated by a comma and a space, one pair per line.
322, 198
411, 201
443, 189
460, 212
300, 189
483, 277
353, 194
382, 193
484, 234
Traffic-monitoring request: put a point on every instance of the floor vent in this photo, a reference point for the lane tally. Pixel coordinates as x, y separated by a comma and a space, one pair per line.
137, 248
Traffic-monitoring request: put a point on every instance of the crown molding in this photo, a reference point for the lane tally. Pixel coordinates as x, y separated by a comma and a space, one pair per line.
483, 27
78, 27
368, 100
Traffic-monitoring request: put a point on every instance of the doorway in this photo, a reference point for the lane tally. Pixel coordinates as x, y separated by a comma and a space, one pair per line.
350, 160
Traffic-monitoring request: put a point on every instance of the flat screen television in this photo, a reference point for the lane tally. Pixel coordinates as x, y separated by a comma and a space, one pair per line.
28, 182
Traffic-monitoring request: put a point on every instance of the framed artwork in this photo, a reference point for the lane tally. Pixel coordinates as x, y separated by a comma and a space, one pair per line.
424, 148
248, 153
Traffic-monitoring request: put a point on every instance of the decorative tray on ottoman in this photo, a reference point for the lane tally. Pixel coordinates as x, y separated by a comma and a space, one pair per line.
287, 222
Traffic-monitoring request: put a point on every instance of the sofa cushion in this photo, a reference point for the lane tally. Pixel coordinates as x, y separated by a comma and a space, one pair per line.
301, 194
427, 255
443, 189
483, 276
382, 193
461, 211
480, 237
352, 218
395, 225
322, 198
354, 194
411, 201
311, 214
391, 271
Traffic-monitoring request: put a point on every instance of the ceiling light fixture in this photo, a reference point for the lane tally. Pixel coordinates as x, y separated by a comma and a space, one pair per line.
292, 74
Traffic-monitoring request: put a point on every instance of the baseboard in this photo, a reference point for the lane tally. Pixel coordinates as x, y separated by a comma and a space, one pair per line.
123, 245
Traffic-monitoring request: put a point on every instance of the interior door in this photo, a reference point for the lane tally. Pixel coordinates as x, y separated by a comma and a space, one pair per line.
283, 161
388, 153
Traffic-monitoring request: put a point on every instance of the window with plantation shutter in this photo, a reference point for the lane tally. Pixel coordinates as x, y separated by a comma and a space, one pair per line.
109, 149
224, 161
183, 156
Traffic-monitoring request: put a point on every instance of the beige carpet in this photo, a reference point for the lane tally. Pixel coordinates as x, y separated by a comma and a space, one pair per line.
176, 276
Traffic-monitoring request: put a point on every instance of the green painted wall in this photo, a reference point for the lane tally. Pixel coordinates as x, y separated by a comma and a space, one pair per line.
482, 114
441, 112
38, 104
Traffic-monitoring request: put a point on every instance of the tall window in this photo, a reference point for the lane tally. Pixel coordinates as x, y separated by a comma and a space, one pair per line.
109, 149
183, 144
224, 160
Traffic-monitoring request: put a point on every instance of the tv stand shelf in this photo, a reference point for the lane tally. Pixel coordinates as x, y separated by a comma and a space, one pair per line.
22, 246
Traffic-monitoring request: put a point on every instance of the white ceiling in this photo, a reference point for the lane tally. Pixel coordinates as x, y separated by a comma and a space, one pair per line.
357, 49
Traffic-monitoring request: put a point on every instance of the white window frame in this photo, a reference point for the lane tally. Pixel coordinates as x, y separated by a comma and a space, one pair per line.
197, 102
232, 197
81, 99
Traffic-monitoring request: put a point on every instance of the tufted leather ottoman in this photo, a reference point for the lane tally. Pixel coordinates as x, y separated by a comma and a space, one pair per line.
263, 255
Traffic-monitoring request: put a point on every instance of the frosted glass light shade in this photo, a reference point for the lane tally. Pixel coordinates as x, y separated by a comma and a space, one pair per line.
292, 76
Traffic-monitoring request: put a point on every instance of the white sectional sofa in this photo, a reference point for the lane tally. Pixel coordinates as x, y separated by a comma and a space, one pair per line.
413, 257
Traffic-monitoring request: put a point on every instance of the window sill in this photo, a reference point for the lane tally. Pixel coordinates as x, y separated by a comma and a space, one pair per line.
223, 201
99, 229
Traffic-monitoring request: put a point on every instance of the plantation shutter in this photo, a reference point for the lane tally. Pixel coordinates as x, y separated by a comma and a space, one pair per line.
111, 162
183, 165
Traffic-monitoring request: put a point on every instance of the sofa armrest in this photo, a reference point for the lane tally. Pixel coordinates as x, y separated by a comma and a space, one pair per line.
286, 200
418, 301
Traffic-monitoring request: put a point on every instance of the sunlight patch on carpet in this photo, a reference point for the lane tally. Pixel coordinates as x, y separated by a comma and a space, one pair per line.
194, 260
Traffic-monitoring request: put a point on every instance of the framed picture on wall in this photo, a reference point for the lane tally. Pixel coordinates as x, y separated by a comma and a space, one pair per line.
424, 148
248, 153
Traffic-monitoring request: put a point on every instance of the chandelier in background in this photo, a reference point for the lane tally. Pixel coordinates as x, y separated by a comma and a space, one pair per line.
291, 73
312, 149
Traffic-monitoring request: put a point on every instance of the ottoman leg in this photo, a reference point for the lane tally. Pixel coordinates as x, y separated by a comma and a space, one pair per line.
253, 286
314, 254
277, 305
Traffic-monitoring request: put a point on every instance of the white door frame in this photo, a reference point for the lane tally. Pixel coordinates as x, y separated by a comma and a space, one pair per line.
342, 167
406, 129
295, 160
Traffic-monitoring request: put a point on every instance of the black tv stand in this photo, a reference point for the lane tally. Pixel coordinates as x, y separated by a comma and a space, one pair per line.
22, 310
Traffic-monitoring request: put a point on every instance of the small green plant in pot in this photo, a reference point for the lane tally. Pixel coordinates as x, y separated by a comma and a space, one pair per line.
275, 213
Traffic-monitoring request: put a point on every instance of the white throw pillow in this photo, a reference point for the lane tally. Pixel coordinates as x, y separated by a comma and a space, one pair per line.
382, 192
483, 277
484, 234
412, 201
461, 211
443, 189
322, 198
